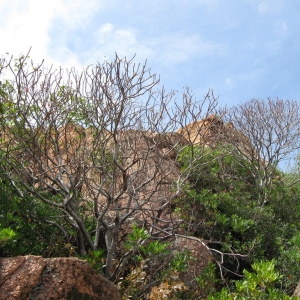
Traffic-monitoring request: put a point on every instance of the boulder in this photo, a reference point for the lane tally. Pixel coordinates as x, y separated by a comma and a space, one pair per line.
200, 257
35, 277
205, 132
213, 132
184, 279
297, 290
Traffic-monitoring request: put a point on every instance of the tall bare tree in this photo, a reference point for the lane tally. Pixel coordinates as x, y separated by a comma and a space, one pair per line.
99, 145
266, 132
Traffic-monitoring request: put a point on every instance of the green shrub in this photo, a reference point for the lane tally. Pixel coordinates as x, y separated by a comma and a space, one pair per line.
221, 205
26, 227
7, 236
259, 284
96, 259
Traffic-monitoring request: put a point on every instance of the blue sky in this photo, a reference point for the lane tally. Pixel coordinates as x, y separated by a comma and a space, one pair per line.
241, 49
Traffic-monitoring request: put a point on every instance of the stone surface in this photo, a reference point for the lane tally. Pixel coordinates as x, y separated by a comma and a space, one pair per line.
200, 257
212, 132
297, 290
35, 277
206, 131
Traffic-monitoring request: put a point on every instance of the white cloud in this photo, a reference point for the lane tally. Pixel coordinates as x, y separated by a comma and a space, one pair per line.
282, 27
269, 6
208, 3
229, 83
263, 7
28, 24
174, 49
124, 41
280, 32
181, 48
54, 28
22, 27
76, 13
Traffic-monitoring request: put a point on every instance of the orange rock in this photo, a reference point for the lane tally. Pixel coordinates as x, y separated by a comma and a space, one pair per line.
35, 277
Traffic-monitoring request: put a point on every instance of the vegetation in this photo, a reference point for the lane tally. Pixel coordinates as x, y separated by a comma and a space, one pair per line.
91, 166
259, 284
224, 209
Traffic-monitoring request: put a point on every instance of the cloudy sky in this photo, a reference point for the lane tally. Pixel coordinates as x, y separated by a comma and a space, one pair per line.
241, 49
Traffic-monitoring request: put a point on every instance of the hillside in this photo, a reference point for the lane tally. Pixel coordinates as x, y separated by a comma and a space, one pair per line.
164, 194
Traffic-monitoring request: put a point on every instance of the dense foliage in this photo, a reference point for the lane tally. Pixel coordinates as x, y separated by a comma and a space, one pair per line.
27, 226
220, 205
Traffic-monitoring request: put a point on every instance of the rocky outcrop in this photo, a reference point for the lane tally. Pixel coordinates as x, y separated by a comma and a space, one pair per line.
200, 258
297, 291
206, 131
197, 258
213, 132
210, 131
35, 277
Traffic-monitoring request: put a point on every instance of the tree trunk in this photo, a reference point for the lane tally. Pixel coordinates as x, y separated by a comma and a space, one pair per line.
110, 241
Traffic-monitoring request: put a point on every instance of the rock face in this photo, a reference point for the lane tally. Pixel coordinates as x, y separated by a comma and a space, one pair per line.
201, 257
35, 277
297, 290
206, 131
198, 258
213, 132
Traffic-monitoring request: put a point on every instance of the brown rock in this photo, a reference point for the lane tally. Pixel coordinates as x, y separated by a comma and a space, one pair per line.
200, 257
213, 132
206, 131
35, 277
297, 290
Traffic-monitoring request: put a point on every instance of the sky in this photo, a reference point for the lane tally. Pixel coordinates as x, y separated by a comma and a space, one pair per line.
241, 49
